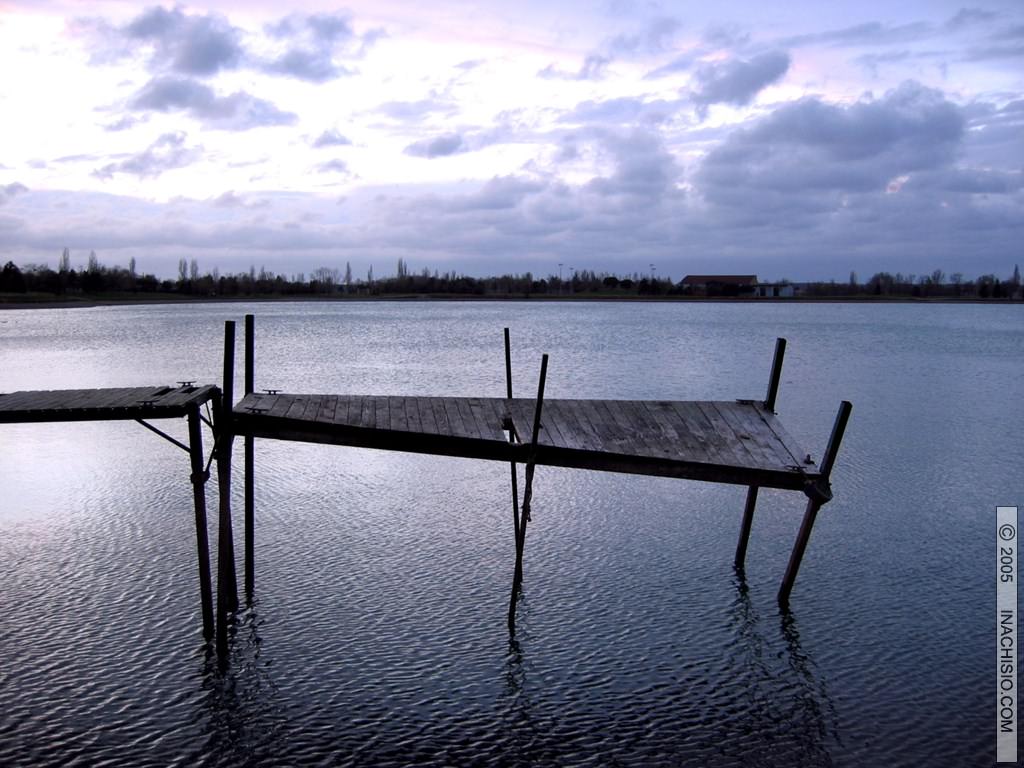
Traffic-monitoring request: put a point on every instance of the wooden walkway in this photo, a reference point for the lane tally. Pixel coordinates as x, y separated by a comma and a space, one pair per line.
131, 403
735, 441
738, 442
140, 404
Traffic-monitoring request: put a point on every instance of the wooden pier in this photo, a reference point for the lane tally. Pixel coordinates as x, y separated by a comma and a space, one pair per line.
724, 442
732, 441
143, 404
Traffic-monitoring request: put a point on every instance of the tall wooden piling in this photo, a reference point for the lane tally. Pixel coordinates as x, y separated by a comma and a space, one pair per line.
250, 464
776, 375
819, 495
524, 516
748, 520
515, 475
769, 403
199, 477
227, 587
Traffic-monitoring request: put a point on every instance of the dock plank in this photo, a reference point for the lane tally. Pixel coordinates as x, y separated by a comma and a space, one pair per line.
425, 413
745, 430
440, 416
579, 433
398, 420
466, 415
728, 444
412, 415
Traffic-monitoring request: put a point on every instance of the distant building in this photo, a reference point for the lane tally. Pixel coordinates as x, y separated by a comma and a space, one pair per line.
720, 285
777, 290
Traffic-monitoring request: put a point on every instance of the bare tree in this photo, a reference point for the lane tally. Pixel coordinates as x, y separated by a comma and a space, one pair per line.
65, 261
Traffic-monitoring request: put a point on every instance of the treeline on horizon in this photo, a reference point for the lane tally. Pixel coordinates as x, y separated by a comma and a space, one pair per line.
99, 280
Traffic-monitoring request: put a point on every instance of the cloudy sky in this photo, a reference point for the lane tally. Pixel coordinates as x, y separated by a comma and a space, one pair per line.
803, 139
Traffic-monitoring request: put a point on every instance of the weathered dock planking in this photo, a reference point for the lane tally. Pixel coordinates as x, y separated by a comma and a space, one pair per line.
139, 404
129, 403
737, 442
734, 441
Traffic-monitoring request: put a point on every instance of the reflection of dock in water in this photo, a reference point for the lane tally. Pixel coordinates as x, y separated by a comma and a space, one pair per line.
736, 441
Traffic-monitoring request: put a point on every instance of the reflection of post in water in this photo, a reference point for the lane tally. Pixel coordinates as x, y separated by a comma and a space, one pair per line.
244, 717
526, 745
785, 700
813, 697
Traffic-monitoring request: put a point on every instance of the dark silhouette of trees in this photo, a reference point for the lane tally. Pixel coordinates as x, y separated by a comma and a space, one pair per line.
98, 280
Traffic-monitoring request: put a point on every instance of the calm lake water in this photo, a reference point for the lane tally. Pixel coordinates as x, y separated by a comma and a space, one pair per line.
378, 633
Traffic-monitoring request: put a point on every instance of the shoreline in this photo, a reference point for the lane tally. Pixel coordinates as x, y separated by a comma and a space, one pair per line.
91, 303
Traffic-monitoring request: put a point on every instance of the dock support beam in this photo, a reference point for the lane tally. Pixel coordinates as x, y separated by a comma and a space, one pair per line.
512, 437
748, 521
250, 463
227, 587
769, 404
199, 477
820, 495
524, 517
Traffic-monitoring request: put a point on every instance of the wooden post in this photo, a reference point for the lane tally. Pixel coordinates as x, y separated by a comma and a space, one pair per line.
515, 476
195, 446
748, 520
250, 464
769, 404
508, 366
227, 588
524, 517
815, 502
776, 376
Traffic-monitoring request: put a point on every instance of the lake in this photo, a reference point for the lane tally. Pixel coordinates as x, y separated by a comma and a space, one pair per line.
378, 634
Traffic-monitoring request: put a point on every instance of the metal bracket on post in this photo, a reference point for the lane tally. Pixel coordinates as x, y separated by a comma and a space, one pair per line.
817, 498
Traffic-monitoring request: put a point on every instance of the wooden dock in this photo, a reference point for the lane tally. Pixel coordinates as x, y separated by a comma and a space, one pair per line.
130, 403
737, 442
730, 441
142, 405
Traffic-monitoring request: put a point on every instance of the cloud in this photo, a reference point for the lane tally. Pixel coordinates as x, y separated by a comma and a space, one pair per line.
334, 166
655, 37
868, 33
238, 111
809, 154
312, 42
415, 111
643, 167
438, 146
738, 81
621, 111
123, 123
330, 138
9, 191
164, 154
592, 68
305, 46
184, 43
967, 17
682, 63
231, 199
